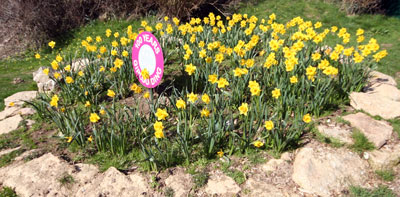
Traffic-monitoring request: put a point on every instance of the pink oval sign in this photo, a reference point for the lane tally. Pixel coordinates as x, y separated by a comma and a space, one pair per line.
147, 54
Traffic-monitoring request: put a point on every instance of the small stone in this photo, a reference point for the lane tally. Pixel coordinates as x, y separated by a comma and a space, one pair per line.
378, 132
385, 158
220, 184
366, 155
272, 165
326, 171
43, 81
30, 122
79, 64
378, 77
10, 124
336, 132
17, 81
375, 104
19, 98
180, 182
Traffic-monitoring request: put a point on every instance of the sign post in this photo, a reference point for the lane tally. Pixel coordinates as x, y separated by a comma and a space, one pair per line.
147, 55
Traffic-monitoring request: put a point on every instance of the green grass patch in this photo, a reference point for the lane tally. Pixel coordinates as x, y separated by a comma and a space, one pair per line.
396, 125
361, 142
9, 158
237, 175
386, 175
7, 192
66, 180
381, 191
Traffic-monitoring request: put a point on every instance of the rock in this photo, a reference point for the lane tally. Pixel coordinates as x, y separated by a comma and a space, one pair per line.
272, 165
5, 152
79, 64
114, 183
41, 176
180, 182
220, 184
326, 171
378, 132
19, 98
375, 104
9, 124
378, 77
43, 81
30, 122
385, 158
8, 111
25, 111
17, 80
258, 188
385, 90
337, 132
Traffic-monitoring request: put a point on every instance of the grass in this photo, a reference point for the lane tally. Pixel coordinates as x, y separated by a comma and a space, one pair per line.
381, 191
8, 158
7, 192
107, 160
66, 180
361, 142
386, 175
238, 176
396, 125
199, 172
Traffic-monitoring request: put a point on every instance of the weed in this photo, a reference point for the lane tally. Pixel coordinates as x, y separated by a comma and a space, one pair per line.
66, 180
361, 142
169, 192
154, 182
200, 179
7, 192
386, 175
396, 125
377, 192
237, 175
339, 119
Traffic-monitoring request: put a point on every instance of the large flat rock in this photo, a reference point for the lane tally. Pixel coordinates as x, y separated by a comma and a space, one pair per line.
326, 171
10, 124
41, 176
377, 131
114, 183
375, 104
8, 111
378, 77
19, 98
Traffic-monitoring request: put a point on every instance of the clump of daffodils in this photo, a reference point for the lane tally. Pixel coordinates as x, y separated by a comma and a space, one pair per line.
247, 82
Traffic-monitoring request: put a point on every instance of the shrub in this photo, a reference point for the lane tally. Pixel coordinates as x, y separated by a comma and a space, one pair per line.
245, 83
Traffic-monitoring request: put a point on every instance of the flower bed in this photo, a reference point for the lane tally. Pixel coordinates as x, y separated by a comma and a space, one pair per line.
239, 83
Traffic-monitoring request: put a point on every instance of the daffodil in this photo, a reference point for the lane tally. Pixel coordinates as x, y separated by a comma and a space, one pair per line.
180, 104
244, 108
94, 117
161, 114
